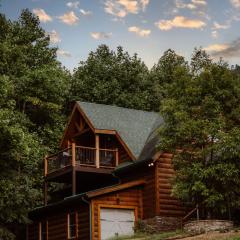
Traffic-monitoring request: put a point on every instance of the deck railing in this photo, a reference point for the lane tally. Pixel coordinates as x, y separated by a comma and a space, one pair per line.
59, 160
81, 156
108, 157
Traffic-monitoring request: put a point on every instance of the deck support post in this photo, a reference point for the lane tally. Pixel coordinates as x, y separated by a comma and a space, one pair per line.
45, 187
45, 192
73, 169
97, 151
45, 166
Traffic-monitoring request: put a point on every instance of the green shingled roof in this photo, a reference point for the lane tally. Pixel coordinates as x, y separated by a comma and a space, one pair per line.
136, 128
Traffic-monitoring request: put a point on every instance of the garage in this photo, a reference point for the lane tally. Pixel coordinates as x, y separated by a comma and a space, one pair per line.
116, 222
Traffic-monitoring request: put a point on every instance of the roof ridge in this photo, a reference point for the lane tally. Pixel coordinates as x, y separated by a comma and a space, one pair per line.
115, 106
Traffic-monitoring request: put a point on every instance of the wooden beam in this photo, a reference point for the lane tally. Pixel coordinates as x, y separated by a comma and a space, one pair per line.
45, 192
97, 151
78, 127
80, 133
73, 168
45, 166
73, 181
82, 114
115, 188
73, 154
105, 131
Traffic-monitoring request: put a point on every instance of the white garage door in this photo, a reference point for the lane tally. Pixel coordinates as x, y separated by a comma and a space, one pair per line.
116, 222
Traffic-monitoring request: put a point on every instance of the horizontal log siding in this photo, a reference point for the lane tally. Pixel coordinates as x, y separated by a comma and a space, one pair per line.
167, 205
33, 231
149, 189
57, 226
83, 223
57, 223
130, 197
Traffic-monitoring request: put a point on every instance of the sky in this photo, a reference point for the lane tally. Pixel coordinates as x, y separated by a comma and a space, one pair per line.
145, 27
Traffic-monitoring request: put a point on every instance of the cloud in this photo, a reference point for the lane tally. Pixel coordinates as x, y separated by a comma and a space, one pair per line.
180, 22
85, 13
63, 53
54, 37
214, 34
43, 16
144, 4
181, 4
140, 32
199, 2
197, 7
227, 50
193, 4
100, 35
216, 25
69, 18
73, 4
120, 8
235, 3
216, 47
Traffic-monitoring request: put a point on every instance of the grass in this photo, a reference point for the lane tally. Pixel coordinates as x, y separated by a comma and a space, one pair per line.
181, 235
144, 236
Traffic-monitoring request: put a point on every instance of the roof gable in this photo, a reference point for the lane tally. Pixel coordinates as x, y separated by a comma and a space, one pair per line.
135, 127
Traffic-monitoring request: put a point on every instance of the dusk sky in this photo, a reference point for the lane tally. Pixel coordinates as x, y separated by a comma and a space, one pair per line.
147, 27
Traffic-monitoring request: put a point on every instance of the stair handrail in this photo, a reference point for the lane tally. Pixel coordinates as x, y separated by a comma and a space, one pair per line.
196, 209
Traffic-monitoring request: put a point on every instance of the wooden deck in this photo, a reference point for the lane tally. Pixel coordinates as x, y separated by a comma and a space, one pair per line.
81, 158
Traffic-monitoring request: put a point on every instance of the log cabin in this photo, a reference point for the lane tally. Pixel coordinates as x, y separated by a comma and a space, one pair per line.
109, 176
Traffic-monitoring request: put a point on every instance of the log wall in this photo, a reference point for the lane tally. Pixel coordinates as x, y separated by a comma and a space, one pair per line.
57, 223
149, 192
167, 205
125, 198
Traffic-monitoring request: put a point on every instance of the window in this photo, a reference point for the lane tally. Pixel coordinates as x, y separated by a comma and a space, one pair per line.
72, 225
43, 228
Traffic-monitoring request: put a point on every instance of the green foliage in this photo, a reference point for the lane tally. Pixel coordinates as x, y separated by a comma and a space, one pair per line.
199, 102
202, 129
110, 77
163, 75
34, 89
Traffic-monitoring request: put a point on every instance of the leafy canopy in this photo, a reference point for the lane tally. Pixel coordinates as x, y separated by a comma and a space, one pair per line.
114, 78
202, 128
33, 89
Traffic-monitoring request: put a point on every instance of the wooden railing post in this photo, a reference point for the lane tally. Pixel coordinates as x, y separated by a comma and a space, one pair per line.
73, 154
97, 151
45, 165
73, 168
45, 181
117, 160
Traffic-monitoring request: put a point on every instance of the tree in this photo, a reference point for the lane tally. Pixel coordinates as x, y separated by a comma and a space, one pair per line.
202, 129
41, 85
110, 77
34, 89
167, 71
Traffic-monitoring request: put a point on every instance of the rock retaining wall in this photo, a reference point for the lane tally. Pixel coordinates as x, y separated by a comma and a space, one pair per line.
208, 225
161, 224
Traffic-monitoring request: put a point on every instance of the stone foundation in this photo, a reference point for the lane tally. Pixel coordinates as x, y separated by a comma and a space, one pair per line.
161, 224
208, 225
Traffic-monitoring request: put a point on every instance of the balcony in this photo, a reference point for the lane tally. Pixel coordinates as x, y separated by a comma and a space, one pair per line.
81, 157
